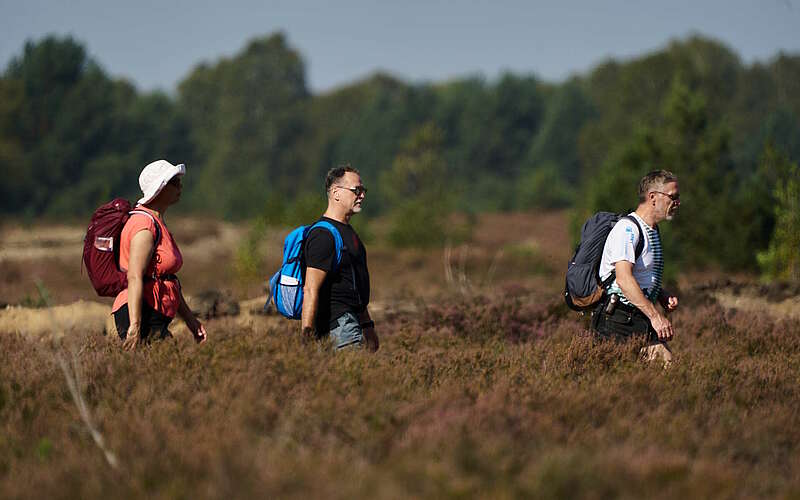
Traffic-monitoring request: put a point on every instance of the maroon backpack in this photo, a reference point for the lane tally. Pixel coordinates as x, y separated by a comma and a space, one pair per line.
101, 246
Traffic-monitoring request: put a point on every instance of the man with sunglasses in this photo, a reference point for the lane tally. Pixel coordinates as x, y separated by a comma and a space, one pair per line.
335, 296
629, 306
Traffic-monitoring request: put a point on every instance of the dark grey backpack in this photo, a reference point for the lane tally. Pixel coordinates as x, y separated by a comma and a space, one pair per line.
583, 286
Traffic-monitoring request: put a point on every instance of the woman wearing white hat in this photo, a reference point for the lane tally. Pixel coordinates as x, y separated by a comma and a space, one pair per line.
149, 254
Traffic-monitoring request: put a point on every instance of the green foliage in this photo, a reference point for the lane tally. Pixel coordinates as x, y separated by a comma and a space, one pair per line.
245, 120
415, 224
418, 192
44, 449
248, 260
556, 144
40, 300
698, 152
256, 142
544, 187
304, 209
369, 126
71, 137
782, 259
488, 130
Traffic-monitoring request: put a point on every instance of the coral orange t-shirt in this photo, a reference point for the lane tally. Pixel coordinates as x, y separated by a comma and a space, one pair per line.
161, 295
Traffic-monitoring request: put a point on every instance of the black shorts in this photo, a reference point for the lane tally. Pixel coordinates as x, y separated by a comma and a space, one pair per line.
155, 326
624, 322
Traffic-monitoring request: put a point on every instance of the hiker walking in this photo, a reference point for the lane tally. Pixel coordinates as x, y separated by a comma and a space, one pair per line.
336, 294
144, 310
632, 262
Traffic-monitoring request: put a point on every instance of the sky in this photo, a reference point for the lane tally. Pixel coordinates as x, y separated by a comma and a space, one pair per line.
156, 44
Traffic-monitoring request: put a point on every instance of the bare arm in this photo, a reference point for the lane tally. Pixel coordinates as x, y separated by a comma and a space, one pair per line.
314, 279
142, 245
633, 293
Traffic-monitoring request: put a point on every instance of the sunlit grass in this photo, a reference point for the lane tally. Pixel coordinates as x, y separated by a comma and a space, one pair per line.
503, 396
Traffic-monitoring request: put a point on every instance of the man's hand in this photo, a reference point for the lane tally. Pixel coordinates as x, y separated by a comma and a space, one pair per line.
371, 338
668, 302
133, 338
308, 335
662, 326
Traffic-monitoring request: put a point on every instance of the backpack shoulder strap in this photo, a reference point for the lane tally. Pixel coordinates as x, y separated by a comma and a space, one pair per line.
338, 242
640, 244
155, 223
637, 251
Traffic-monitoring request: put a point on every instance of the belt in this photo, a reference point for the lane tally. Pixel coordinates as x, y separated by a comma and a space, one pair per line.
162, 277
629, 308
620, 306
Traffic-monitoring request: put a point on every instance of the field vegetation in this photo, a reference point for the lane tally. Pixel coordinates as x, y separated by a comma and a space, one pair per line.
485, 386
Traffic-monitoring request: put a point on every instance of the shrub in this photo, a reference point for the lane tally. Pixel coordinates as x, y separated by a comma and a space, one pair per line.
782, 259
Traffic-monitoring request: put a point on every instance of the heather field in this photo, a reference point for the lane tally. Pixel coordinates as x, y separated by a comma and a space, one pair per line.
485, 385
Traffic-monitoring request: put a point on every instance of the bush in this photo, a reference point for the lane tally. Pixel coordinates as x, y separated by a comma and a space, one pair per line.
782, 259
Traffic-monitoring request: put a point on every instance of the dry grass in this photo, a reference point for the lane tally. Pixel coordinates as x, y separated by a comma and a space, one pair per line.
496, 391
517, 402
73, 319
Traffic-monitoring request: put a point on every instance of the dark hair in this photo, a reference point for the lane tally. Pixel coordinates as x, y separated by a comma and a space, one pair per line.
337, 173
656, 178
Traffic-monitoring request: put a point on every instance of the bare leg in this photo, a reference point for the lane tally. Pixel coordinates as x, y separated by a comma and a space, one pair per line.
657, 351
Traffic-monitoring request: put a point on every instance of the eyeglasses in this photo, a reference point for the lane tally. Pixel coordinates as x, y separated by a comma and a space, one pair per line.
358, 190
673, 197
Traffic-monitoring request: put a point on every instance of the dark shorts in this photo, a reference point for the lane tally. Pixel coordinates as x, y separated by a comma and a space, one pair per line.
624, 322
155, 326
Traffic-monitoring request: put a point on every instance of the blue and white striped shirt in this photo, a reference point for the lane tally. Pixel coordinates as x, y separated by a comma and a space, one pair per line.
648, 269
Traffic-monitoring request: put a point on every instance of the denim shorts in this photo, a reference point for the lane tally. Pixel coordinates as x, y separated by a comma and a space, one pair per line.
347, 332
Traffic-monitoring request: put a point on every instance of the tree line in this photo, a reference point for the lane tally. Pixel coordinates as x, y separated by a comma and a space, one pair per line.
257, 142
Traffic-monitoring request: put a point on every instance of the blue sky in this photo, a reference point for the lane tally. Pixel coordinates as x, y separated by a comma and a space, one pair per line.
156, 44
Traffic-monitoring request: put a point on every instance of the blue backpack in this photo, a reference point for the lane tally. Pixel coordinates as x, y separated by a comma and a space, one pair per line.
286, 285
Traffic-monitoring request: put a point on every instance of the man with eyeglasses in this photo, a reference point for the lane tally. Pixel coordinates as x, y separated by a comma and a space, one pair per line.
335, 297
629, 306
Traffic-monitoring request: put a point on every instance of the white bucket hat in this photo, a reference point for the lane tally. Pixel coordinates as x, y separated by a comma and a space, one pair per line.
155, 176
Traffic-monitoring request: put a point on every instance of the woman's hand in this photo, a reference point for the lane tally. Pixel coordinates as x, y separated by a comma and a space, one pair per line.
133, 338
197, 329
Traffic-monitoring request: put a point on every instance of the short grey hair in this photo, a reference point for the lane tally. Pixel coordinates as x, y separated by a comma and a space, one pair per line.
656, 178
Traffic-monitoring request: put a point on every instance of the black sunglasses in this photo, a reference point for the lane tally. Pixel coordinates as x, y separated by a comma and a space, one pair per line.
673, 197
358, 190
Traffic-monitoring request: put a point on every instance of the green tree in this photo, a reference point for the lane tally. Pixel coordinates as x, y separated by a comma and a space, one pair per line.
699, 154
552, 168
370, 131
245, 119
629, 96
488, 130
782, 258
416, 188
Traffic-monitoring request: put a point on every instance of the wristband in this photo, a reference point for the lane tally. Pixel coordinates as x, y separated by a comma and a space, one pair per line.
368, 324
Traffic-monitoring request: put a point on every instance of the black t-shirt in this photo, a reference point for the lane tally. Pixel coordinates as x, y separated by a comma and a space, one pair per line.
345, 289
